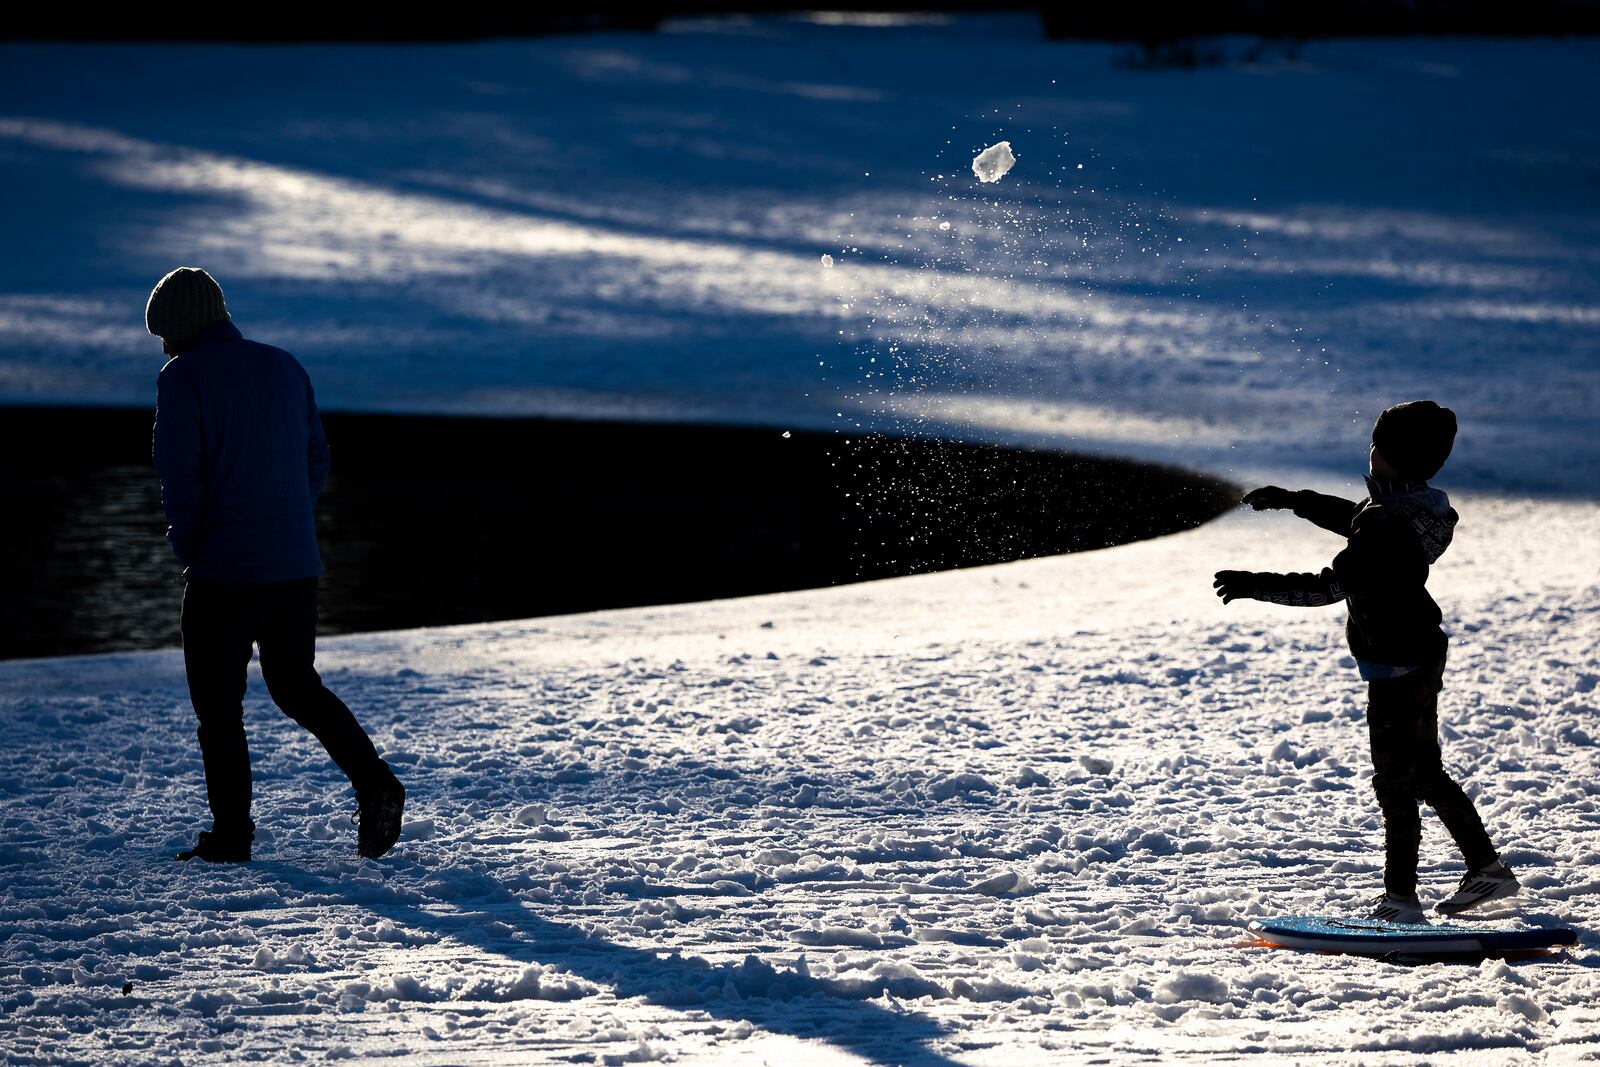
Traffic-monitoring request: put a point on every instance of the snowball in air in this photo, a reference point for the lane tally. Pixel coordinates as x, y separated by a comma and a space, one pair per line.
827, 260
993, 162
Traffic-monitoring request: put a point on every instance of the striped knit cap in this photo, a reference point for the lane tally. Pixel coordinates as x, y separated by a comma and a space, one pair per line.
182, 304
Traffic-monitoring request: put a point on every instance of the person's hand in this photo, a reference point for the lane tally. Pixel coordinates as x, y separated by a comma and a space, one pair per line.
1234, 585
1269, 498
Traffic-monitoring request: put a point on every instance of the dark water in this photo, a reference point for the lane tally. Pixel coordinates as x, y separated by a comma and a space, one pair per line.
429, 521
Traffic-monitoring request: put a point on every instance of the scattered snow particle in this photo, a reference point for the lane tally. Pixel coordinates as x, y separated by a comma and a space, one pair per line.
1142, 925
944, 225
208, 1004
386, 931
1003, 883
787, 434
1026, 777
827, 260
982, 989
1523, 1006
295, 956
538, 983
959, 784
774, 857
643, 1052
840, 936
993, 162
1191, 985
1157, 842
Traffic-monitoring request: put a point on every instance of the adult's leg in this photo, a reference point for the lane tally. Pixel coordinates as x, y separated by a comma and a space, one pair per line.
1392, 706
288, 640
1434, 786
216, 623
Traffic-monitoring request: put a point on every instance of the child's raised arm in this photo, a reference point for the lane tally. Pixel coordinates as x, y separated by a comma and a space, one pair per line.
1332, 513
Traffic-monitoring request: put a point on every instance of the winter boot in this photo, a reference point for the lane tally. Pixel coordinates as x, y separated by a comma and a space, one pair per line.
220, 848
379, 817
1393, 908
1479, 887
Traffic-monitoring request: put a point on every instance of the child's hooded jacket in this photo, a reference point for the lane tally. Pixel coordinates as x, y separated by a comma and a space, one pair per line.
1395, 535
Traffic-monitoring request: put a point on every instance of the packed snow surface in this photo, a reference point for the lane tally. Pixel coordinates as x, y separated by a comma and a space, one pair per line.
994, 162
1019, 814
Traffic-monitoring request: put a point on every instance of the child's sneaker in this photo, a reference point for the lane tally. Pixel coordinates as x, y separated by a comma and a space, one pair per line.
1494, 882
1392, 908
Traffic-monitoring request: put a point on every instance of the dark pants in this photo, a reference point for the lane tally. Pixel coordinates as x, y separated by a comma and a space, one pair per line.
220, 623
1403, 721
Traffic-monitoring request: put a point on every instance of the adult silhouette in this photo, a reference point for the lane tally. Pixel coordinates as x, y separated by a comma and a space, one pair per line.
239, 449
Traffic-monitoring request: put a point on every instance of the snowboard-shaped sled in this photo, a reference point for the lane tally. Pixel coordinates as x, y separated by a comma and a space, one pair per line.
1370, 937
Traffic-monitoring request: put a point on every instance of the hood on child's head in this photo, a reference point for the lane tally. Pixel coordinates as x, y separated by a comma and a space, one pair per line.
1425, 509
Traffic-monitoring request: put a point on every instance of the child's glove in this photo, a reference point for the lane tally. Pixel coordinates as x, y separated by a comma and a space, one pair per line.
1236, 585
1269, 498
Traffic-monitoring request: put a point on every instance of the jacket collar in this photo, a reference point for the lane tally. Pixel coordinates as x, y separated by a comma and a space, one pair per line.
221, 330
1425, 510
1378, 488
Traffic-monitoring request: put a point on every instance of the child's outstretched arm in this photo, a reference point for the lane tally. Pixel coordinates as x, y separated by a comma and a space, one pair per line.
1332, 513
1367, 564
1300, 590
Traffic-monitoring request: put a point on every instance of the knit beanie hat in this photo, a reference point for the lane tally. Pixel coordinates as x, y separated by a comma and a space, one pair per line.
1415, 437
182, 304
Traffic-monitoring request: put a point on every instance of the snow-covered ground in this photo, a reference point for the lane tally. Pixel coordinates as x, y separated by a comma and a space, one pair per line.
1015, 814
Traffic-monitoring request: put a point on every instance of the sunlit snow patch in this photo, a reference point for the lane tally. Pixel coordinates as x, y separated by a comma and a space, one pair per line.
993, 162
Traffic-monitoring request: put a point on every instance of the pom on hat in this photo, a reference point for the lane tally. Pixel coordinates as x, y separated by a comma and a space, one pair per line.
182, 304
1415, 437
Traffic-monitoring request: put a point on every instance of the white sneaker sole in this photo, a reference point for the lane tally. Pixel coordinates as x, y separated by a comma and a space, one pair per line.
1412, 918
1397, 916
1501, 891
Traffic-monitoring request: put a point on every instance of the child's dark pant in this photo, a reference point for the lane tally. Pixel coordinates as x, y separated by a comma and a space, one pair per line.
220, 624
1403, 721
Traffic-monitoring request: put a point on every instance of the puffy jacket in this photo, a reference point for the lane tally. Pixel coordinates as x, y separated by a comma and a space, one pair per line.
1395, 534
239, 449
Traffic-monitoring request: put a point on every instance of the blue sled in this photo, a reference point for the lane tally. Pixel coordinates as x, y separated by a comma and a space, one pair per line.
1369, 937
